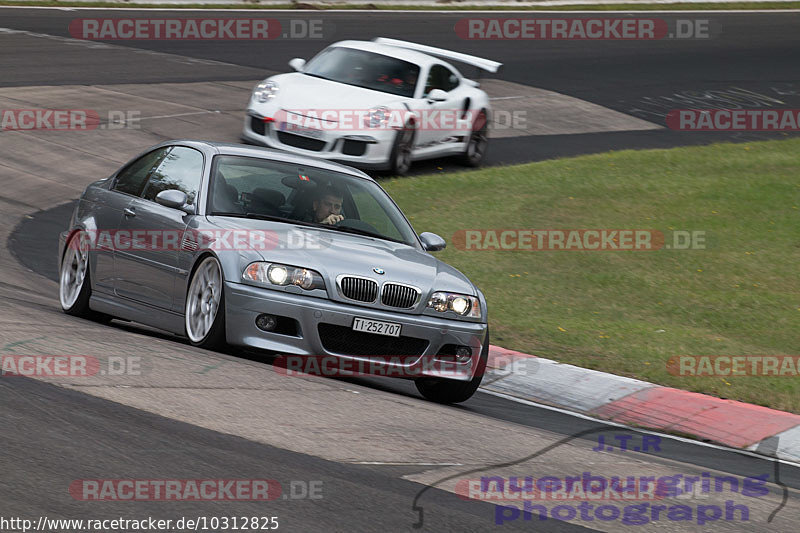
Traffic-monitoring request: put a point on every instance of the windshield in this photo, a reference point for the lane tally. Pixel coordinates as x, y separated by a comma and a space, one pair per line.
286, 192
365, 69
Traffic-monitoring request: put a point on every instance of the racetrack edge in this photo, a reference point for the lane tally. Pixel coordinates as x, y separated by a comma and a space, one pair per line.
638, 403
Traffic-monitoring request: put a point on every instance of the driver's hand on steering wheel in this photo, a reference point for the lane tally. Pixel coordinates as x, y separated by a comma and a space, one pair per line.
332, 219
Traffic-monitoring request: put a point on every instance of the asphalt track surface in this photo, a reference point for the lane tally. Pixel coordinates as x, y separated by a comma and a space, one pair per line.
757, 53
52, 435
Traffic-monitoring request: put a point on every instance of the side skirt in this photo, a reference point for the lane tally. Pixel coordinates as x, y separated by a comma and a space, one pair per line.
136, 312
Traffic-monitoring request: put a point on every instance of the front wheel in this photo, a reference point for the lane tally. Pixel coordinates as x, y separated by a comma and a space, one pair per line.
478, 141
205, 306
74, 283
443, 390
75, 280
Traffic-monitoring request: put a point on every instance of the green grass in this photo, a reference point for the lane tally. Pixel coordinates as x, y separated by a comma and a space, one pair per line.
450, 6
628, 312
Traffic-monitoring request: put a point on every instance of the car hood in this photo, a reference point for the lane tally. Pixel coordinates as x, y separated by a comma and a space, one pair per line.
301, 92
332, 253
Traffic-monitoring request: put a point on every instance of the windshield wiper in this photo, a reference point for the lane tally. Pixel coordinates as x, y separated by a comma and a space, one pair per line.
260, 216
343, 229
367, 233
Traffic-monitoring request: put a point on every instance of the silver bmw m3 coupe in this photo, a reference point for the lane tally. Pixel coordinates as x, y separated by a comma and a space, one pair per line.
236, 245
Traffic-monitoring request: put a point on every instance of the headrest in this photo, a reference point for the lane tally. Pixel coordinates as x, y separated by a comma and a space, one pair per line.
269, 196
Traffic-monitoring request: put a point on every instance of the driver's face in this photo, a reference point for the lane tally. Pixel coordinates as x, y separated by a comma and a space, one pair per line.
326, 206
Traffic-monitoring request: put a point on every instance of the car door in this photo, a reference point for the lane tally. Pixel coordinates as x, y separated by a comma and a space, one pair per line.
146, 266
439, 120
107, 212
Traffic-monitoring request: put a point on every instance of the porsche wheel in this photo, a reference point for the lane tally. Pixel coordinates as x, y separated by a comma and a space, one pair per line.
401, 151
478, 141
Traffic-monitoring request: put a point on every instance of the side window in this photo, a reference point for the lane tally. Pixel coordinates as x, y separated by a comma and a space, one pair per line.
181, 169
441, 77
132, 179
450, 80
370, 211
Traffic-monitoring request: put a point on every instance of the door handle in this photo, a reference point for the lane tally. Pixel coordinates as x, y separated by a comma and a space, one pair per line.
129, 212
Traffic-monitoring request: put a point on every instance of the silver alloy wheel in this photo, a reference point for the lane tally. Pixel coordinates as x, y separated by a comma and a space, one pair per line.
403, 157
73, 270
202, 300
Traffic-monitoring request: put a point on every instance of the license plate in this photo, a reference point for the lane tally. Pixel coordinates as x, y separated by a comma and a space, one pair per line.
376, 326
300, 130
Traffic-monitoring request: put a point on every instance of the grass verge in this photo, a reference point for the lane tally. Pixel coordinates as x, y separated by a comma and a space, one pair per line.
629, 312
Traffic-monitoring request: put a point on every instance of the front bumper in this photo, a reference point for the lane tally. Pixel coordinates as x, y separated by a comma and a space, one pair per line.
243, 303
335, 145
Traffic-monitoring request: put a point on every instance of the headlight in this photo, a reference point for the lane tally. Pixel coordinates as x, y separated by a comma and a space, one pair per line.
460, 304
282, 275
278, 274
265, 90
377, 117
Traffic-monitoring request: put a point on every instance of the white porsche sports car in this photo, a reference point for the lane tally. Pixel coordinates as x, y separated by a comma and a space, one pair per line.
377, 104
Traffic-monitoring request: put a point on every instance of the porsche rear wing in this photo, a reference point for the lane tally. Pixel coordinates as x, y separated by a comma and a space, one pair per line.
485, 64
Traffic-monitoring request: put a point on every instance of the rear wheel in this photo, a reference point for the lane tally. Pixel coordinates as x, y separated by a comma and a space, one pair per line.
478, 141
401, 151
205, 306
443, 390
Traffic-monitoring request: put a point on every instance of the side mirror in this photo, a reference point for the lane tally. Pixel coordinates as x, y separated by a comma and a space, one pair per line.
432, 242
437, 95
175, 199
297, 64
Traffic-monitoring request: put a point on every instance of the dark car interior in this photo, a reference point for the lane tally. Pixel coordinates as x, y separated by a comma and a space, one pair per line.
227, 198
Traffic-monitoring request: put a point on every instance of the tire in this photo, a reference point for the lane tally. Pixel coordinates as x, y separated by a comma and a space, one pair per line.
75, 280
443, 390
400, 158
204, 313
478, 142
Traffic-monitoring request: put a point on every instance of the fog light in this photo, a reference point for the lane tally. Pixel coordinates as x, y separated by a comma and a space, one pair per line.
463, 354
266, 322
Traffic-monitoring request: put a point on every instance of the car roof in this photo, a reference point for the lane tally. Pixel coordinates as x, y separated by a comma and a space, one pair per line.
412, 56
223, 148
